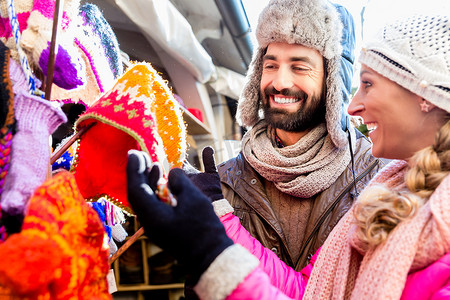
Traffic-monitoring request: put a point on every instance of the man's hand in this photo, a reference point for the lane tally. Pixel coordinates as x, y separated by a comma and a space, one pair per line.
209, 181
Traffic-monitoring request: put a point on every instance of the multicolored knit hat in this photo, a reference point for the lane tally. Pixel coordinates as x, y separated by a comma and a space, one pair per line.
35, 19
139, 112
61, 252
100, 51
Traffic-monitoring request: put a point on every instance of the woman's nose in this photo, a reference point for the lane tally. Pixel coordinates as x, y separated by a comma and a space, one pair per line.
356, 106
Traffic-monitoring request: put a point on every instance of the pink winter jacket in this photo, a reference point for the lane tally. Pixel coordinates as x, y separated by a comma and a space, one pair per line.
432, 283
267, 278
270, 278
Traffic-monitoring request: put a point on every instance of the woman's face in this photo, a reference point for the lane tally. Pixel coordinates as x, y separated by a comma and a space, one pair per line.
398, 128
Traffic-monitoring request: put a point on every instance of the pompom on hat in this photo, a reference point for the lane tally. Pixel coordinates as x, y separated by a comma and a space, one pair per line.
139, 112
313, 23
415, 53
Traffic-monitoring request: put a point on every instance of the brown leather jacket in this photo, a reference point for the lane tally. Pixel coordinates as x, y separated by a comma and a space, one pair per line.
243, 187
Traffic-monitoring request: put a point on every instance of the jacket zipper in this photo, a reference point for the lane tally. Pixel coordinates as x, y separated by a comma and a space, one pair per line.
331, 207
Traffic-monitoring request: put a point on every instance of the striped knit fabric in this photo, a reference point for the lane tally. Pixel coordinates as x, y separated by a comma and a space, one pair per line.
100, 51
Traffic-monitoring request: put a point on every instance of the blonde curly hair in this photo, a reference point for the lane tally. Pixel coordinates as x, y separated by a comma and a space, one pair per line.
379, 209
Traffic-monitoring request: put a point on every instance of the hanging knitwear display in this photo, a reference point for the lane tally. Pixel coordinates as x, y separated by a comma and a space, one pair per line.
61, 252
139, 112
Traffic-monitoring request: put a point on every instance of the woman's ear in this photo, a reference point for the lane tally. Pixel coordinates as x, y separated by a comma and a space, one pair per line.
426, 106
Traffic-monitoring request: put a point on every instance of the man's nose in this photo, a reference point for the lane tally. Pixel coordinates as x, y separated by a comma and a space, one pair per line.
283, 79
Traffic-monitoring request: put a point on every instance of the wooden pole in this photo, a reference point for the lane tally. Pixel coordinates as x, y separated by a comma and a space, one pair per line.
57, 16
69, 142
127, 245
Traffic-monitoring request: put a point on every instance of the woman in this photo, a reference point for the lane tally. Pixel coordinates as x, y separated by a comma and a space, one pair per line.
395, 241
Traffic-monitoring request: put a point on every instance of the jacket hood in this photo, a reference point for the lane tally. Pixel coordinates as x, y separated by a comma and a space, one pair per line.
317, 24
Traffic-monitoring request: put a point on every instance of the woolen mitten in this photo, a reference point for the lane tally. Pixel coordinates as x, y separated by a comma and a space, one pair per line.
36, 119
209, 181
191, 232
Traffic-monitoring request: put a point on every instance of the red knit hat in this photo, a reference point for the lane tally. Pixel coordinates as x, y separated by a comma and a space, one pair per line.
139, 112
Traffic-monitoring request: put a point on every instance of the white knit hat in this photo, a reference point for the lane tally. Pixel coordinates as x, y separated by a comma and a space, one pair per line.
311, 23
415, 53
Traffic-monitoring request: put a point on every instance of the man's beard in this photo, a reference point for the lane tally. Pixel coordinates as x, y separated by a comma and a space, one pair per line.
306, 117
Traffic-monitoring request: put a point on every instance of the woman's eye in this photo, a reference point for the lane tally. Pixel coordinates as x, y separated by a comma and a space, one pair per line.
365, 83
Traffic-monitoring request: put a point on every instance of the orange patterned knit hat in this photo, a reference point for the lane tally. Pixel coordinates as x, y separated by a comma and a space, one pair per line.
139, 112
61, 252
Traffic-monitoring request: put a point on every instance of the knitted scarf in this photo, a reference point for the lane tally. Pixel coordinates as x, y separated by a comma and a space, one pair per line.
302, 170
344, 270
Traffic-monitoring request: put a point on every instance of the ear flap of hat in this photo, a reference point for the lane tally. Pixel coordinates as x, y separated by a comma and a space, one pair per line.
100, 164
249, 103
334, 105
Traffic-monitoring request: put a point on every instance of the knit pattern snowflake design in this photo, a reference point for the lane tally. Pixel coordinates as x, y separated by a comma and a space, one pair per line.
139, 112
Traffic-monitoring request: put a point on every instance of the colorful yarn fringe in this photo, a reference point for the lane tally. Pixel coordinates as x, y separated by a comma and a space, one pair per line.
112, 218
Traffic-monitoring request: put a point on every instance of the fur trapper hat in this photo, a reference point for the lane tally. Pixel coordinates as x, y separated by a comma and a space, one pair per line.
311, 23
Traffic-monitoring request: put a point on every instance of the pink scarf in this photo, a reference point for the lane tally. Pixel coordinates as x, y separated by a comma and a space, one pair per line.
342, 272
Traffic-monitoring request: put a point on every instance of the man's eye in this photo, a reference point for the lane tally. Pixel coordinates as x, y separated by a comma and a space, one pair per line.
301, 69
269, 66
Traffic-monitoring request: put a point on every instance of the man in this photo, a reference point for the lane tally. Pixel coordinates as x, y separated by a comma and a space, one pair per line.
295, 176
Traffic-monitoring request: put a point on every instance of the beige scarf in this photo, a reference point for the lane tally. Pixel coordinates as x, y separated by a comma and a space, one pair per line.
302, 170
342, 272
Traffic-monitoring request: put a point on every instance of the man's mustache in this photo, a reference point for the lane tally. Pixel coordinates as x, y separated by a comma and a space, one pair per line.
270, 90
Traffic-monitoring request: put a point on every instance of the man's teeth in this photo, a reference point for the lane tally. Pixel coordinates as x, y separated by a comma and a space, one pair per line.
371, 126
284, 100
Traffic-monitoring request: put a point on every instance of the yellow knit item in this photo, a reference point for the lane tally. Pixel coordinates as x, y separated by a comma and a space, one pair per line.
144, 82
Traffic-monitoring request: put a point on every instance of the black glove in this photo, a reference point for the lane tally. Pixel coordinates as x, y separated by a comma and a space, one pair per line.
209, 181
191, 232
